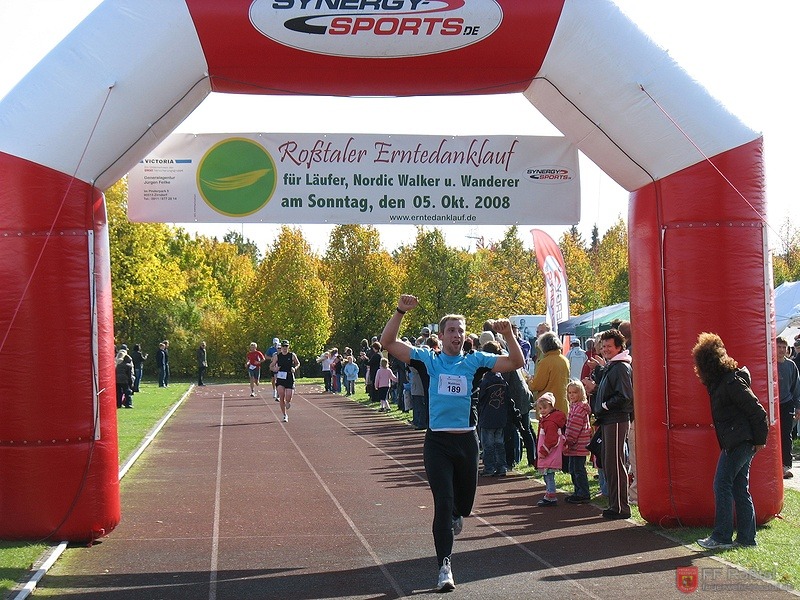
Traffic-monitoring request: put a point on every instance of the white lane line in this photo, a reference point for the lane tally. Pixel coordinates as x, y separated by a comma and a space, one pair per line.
378, 562
565, 576
52, 555
212, 588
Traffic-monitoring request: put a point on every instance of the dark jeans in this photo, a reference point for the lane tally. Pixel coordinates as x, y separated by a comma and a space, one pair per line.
201, 372
577, 472
326, 377
787, 422
137, 378
162, 377
420, 407
451, 464
528, 438
124, 396
512, 444
731, 488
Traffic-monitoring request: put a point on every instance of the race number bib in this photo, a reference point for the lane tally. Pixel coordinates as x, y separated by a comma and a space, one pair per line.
453, 385
280, 375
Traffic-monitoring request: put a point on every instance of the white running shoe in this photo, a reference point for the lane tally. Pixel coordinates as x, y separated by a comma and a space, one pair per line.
446, 583
285, 418
252, 395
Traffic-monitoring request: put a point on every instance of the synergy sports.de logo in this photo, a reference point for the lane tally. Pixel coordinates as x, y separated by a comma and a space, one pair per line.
376, 28
236, 177
550, 174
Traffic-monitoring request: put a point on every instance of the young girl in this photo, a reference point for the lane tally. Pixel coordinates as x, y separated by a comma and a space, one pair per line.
551, 442
578, 434
383, 380
350, 375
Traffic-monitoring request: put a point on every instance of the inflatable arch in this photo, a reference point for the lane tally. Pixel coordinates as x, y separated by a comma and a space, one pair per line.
128, 75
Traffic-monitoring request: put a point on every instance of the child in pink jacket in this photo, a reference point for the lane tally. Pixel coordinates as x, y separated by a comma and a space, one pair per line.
550, 445
578, 434
383, 381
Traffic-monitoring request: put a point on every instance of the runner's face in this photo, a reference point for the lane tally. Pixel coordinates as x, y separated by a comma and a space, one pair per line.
453, 337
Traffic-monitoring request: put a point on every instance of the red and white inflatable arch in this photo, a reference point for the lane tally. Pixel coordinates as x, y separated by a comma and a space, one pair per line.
125, 78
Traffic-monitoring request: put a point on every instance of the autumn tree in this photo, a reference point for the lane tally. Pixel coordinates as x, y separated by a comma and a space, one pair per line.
232, 270
583, 291
363, 283
438, 275
288, 298
786, 258
147, 283
612, 265
505, 280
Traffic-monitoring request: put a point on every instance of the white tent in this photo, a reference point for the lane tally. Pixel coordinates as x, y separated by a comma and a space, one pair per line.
787, 305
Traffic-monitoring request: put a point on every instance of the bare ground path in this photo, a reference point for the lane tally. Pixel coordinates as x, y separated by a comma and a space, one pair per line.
231, 503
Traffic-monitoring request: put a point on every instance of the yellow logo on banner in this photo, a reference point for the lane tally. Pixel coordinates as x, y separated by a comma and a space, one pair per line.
236, 177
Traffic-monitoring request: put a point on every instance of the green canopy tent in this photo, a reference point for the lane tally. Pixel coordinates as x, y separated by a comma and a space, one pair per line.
600, 319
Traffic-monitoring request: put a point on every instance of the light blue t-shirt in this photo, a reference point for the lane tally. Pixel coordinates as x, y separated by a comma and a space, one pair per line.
450, 387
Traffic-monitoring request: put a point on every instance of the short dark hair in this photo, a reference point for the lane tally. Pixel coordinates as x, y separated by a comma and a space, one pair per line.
614, 334
492, 348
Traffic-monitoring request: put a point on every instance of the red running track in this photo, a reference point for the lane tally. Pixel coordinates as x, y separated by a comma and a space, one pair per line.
231, 503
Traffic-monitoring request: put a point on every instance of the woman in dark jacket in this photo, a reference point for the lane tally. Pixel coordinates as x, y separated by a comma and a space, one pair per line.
741, 426
125, 377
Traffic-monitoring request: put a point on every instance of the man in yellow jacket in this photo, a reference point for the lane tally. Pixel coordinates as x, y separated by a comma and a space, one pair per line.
552, 371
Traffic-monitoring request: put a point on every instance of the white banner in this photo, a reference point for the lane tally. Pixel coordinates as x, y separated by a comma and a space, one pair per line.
357, 178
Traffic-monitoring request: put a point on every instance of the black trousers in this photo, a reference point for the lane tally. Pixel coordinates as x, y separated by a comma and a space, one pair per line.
451, 464
787, 422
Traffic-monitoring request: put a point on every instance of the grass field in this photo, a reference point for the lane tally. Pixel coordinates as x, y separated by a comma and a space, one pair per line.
777, 556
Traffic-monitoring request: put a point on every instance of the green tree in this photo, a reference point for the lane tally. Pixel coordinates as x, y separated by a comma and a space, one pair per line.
363, 283
221, 322
438, 275
583, 292
612, 265
147, 283
244, 246
786, 259
505, 280
287, 296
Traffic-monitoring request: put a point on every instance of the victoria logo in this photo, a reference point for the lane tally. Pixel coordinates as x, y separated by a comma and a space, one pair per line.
236, 177
376, 28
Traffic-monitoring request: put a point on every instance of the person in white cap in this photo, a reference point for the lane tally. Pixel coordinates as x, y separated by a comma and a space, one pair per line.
272, 351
